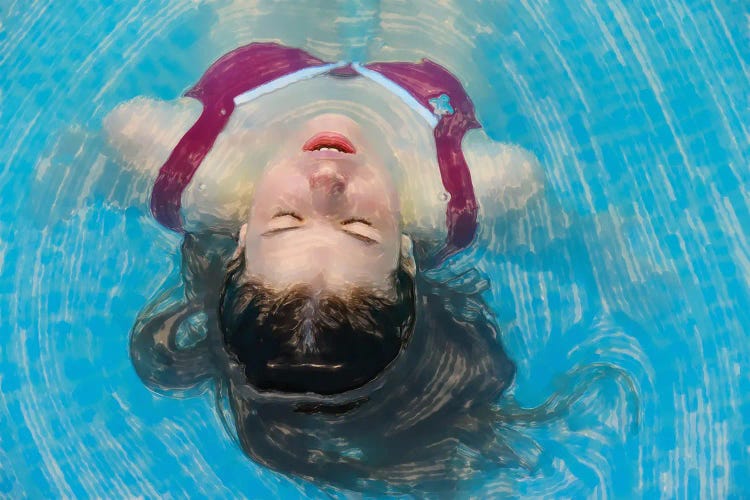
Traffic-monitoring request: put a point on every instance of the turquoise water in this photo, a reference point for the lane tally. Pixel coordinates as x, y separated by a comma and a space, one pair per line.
636, 257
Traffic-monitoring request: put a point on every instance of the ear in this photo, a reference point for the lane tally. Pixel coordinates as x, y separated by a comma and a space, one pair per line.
240, 242
505, 176
144, 131
407, 255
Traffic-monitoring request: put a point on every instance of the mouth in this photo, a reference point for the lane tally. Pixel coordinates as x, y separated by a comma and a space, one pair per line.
329, 141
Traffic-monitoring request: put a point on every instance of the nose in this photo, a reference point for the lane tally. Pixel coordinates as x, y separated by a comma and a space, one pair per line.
328, 187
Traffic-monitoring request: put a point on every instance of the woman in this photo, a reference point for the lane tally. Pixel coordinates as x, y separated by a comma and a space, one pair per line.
206, 152
308, 223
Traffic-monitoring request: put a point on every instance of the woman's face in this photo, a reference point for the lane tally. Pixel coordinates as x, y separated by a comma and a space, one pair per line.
325, 212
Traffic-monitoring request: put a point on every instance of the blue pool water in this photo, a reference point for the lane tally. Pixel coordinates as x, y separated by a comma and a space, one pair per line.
638, 257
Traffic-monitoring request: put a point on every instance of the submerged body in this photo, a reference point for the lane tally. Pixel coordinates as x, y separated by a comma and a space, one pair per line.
308, 230
498, 178
340, 361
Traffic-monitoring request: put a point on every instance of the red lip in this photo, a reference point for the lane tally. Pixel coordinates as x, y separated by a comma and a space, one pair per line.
329, 140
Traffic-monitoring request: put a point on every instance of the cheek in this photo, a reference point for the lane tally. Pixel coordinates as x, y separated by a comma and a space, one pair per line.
375, 199
278, 191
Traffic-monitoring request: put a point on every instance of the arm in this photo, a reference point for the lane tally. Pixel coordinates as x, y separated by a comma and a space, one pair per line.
505, 176
143, 131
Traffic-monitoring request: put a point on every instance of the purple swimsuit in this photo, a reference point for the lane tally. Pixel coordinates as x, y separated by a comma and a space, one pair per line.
258, 68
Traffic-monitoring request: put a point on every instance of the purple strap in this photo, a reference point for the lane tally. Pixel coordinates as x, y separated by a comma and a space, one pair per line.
253, 65
236, 72
425, 81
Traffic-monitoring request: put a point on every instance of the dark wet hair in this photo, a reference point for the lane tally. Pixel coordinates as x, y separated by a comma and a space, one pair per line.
427, 423
304, 340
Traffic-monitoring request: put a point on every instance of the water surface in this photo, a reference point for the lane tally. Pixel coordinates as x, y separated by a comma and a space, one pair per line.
636, 257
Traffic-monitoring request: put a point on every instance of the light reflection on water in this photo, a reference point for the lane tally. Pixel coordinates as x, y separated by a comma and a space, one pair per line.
634, 256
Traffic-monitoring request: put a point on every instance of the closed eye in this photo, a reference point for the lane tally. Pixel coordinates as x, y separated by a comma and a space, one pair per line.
287, 213
283, 221
356, 219
361, 229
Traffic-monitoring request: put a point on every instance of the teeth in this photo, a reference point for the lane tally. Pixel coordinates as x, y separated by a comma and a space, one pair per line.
329, 149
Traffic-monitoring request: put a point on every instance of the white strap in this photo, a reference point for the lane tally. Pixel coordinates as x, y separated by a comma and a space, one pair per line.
399, 91
286, 80
307, 73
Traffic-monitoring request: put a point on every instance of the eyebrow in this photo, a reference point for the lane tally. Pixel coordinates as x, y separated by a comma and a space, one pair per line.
361, 237
278, 230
